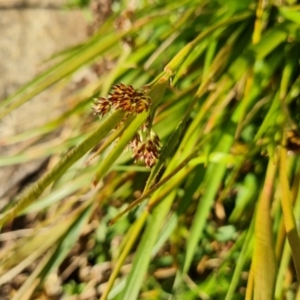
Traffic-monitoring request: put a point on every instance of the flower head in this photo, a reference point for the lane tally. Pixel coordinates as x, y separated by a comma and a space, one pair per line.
128, 99
145, 145
147, 151
123, 97
101, 106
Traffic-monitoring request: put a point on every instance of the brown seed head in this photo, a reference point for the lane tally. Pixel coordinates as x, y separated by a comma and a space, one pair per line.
135, 142
101, 106
145, 144
126, 98
147, 151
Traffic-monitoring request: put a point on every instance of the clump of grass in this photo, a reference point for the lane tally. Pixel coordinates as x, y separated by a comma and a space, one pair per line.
214, 215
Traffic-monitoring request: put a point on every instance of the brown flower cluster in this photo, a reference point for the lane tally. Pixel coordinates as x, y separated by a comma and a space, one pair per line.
102, 106
146, 148
146, 144
123, 97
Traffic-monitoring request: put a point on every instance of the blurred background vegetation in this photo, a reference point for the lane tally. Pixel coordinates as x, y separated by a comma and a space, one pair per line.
217, 216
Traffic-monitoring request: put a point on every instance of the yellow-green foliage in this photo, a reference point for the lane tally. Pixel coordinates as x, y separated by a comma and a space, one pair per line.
216, 216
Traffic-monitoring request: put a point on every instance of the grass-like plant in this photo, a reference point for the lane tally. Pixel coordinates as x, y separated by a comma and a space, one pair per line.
210, 211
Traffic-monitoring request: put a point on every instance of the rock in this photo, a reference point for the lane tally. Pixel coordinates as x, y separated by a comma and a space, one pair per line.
31, 31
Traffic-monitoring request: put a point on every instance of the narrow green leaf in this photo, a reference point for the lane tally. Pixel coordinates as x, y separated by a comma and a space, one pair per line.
244, 253
32, 194
264, 252
288, 214
212, 181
